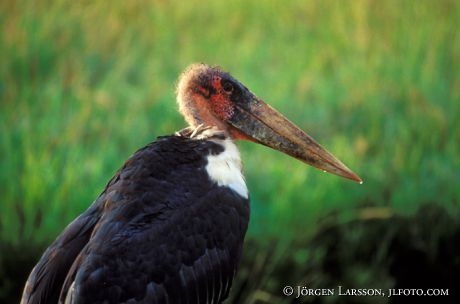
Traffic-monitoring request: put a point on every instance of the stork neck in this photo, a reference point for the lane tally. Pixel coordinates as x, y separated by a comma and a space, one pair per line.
203, 132
226, 168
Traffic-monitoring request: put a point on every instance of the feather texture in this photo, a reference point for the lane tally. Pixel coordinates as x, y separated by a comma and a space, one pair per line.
162, 231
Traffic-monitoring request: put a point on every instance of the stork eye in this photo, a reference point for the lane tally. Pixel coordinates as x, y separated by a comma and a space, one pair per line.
227, 86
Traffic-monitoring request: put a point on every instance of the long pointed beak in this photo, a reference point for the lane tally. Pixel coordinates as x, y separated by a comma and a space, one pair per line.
263, 124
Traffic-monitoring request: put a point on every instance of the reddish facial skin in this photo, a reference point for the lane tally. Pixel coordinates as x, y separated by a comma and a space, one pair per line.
222, 106
220, 101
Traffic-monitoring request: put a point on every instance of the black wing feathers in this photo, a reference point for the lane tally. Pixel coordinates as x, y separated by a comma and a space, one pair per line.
45, 281
161, 232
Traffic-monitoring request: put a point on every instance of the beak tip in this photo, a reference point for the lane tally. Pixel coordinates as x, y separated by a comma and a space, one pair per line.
344, 172
354, 177
334, 166
358, 179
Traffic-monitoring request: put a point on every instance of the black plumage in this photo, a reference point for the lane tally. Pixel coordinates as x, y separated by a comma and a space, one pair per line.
161, 232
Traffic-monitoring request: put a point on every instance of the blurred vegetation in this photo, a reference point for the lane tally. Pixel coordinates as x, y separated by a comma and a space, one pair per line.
83, 84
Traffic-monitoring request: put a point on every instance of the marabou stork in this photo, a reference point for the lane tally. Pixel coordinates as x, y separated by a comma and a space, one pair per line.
169, 226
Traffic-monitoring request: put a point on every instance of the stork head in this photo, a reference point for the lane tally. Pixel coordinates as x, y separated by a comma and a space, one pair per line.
209, 96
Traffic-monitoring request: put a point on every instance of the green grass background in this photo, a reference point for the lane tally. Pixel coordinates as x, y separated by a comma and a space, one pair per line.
83, 84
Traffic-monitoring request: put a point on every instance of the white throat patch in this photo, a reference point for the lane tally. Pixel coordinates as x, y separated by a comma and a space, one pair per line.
226, 169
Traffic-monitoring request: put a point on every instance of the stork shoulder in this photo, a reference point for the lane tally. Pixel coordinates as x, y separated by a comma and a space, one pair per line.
224, 167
